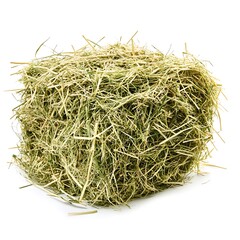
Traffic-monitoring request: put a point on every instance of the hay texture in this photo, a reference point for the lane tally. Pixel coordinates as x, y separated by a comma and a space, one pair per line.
104, 125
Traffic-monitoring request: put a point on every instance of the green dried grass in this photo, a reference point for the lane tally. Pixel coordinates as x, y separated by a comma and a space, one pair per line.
104, 125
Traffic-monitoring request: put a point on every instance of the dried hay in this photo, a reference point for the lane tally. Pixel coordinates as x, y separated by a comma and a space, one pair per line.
104, 125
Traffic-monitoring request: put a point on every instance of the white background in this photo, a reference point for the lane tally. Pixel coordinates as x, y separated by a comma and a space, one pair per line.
206, 208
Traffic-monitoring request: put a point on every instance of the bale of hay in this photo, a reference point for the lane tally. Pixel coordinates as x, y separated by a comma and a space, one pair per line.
109, 124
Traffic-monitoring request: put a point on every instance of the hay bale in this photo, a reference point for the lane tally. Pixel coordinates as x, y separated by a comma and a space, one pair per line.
106, 125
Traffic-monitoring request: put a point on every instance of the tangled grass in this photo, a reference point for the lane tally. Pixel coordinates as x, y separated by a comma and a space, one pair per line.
104, 125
